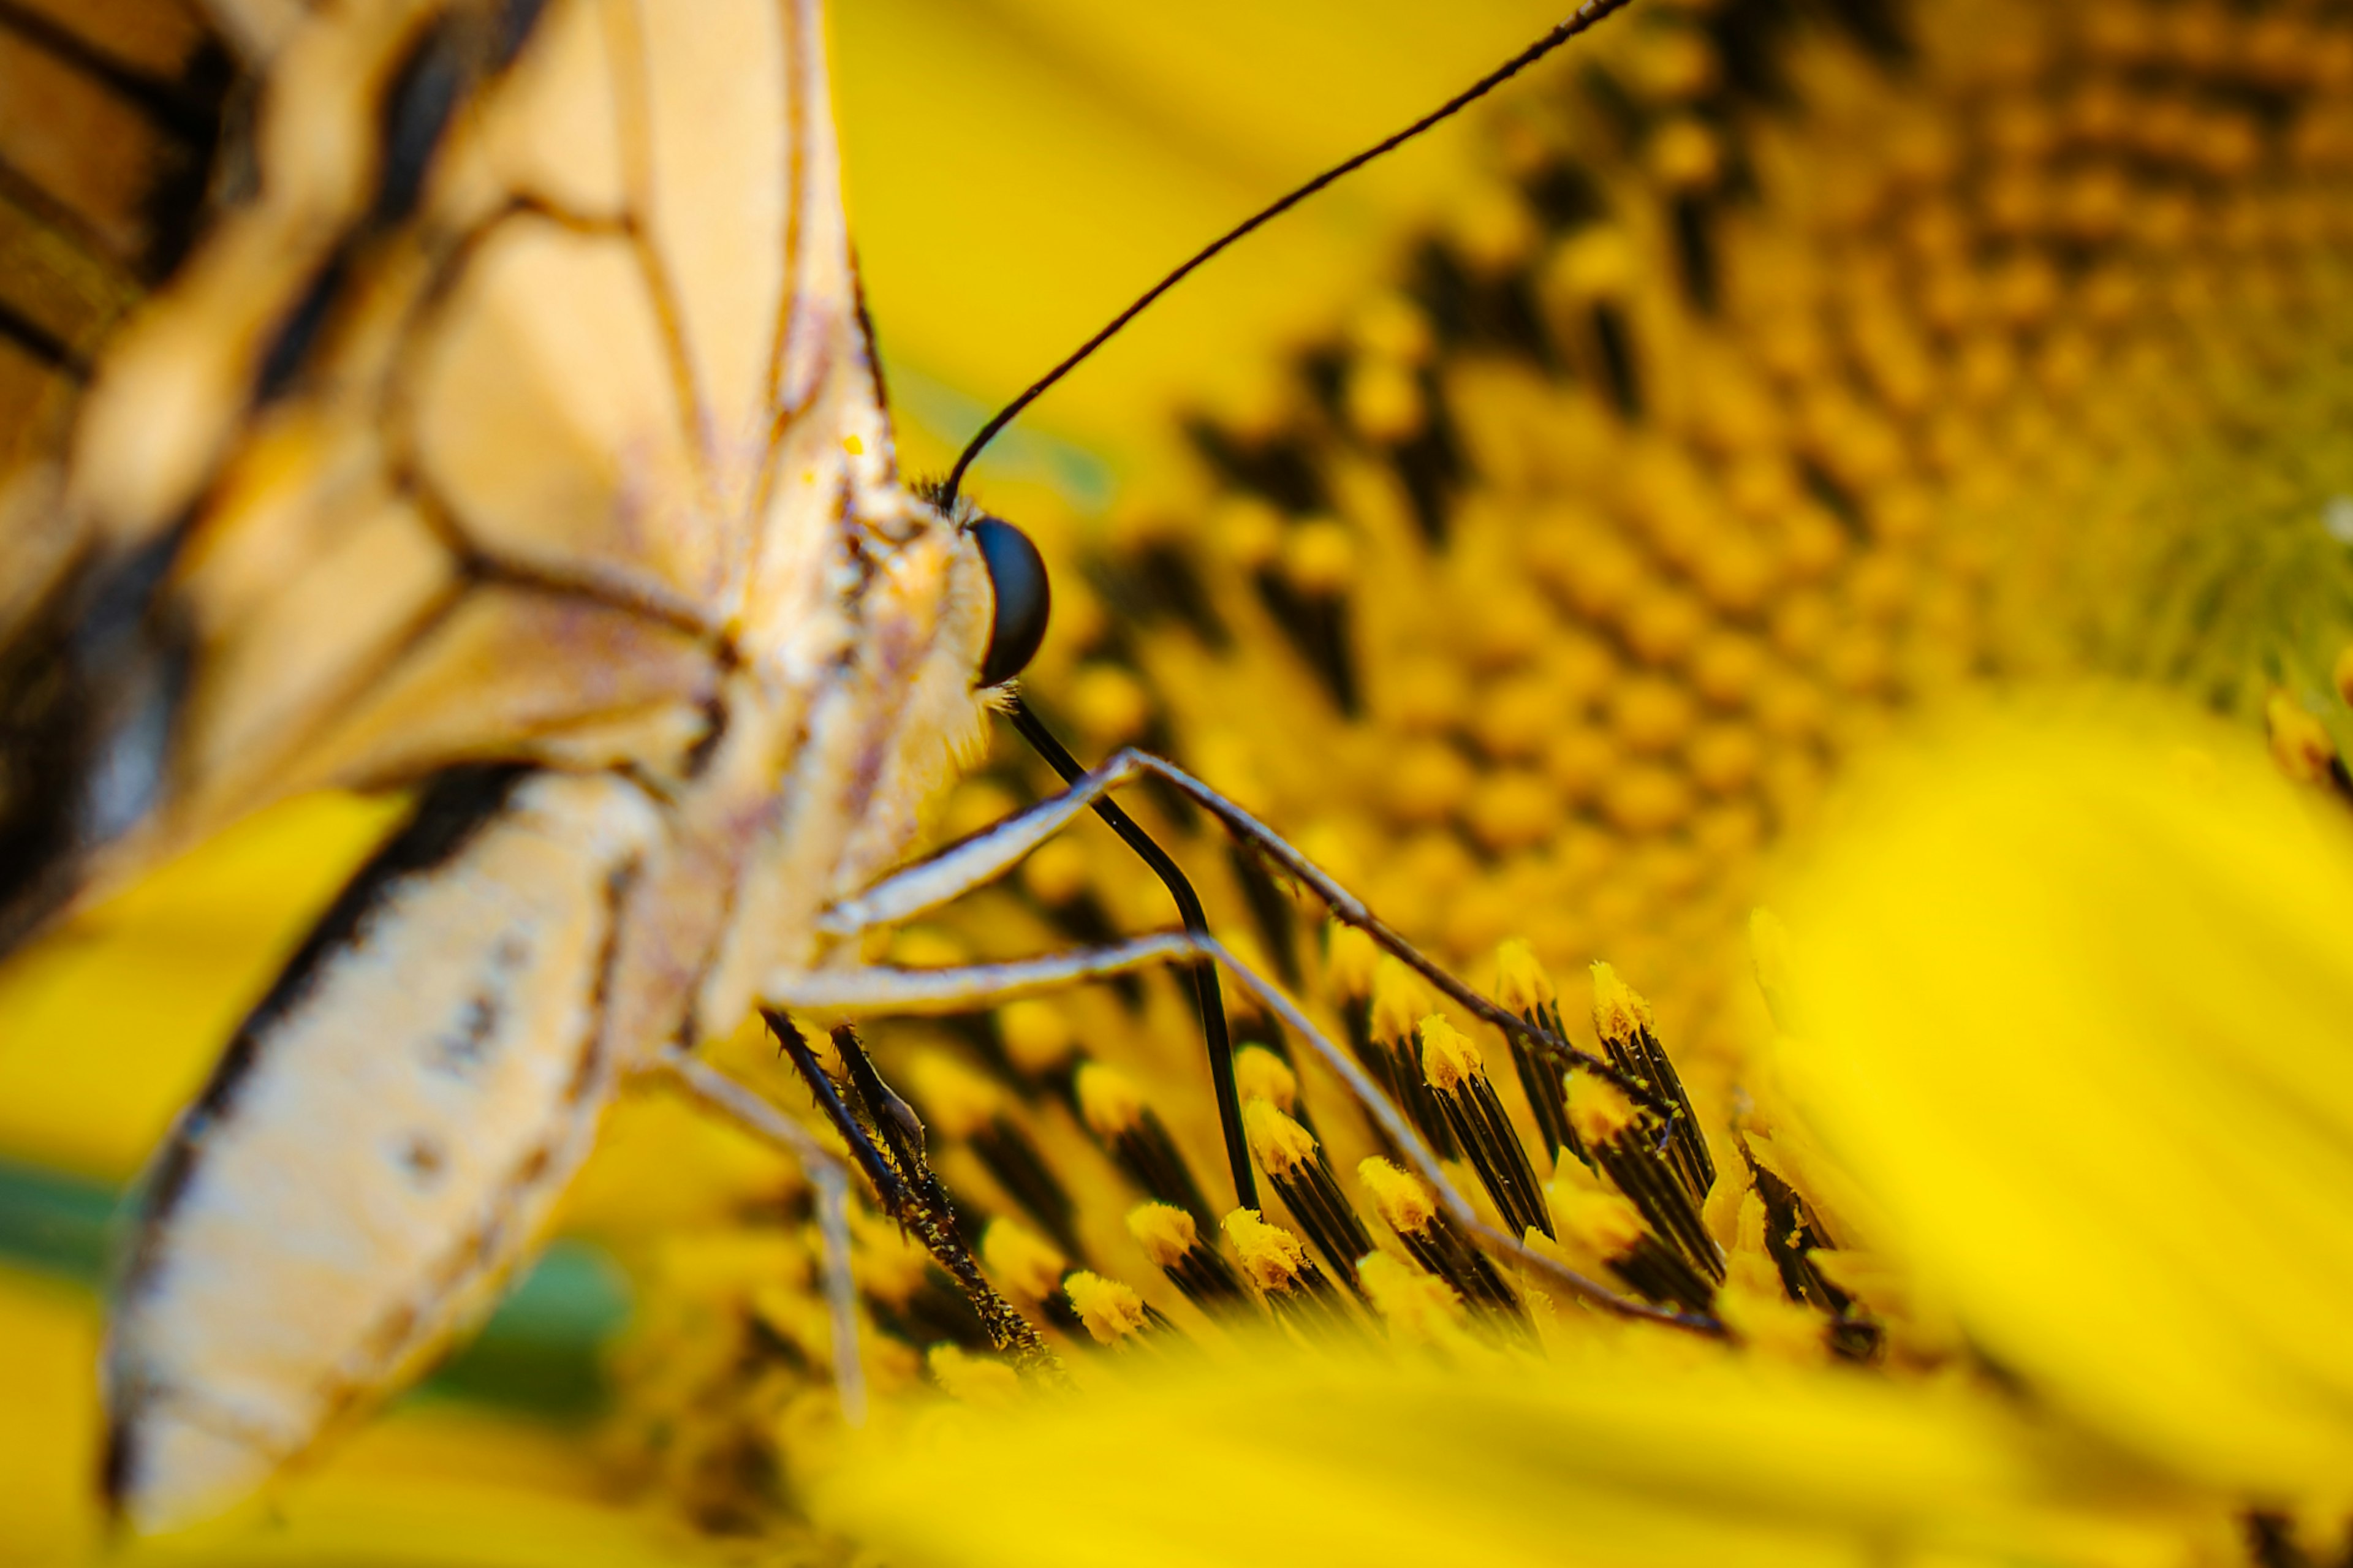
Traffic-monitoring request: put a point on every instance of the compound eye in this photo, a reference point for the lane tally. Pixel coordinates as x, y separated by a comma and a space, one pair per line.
1017, 574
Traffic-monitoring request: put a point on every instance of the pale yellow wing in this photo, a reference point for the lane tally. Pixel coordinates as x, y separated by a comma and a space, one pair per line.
459, 437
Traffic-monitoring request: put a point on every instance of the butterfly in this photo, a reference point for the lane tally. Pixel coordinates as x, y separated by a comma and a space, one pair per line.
514, 434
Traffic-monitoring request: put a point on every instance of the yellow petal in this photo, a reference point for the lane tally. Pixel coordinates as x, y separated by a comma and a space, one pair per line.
1629, 1459
2077, 985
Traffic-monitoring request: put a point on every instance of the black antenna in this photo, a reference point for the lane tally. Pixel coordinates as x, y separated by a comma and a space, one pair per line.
1197, 920
1588, 15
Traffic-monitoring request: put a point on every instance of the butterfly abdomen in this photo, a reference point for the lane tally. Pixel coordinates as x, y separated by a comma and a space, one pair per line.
383, 1139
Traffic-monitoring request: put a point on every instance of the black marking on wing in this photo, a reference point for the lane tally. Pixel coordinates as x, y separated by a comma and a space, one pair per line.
1877, 25
419, 104
178, 105
453, 57
298, 330
177, 202
187, 111
443, 68
513, 25
90, 694
40, 343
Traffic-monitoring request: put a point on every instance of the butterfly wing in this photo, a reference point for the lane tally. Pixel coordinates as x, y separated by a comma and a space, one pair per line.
457, 439
500, 497
108, 113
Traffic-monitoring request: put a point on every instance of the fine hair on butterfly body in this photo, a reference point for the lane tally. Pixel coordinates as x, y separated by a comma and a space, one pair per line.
444, 461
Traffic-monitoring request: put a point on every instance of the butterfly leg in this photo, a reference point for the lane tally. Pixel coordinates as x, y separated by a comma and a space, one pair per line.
988, 854
721, 1095
887, 1141
966, 988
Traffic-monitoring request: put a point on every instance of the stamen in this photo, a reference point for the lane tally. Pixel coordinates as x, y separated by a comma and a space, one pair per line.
1260, 1074
963, 1104
1286, 1279
1113, 1313
1752, 1306
1170, 1239
1792, 1237
1114, 1109
1294, 1162
1419, 1308
1457, 1077
1625, 1146
1432, 1238
1622, 1018
1021, 1261
1398, 1000
1612, 1227
1522, 985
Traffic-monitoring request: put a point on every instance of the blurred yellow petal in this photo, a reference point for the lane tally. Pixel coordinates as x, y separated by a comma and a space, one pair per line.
2076, 988
1620, 1458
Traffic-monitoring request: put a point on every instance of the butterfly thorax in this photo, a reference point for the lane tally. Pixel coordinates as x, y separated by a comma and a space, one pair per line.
810, 781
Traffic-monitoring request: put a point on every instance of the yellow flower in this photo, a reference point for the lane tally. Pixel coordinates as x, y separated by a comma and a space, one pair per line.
1634, 457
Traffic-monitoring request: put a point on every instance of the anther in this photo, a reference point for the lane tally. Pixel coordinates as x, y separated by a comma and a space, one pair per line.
1114, 1109
1399, 1001
965, 1105
1021, 1260
1294, 1162
1276, 1264
1431, 1237
1622, 1018
1612, 1228
974, 1379
1624, 1145
1114, 1314
1522, 985
1173, 1242
1457, 1078
1419, 1308
1260, 1074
